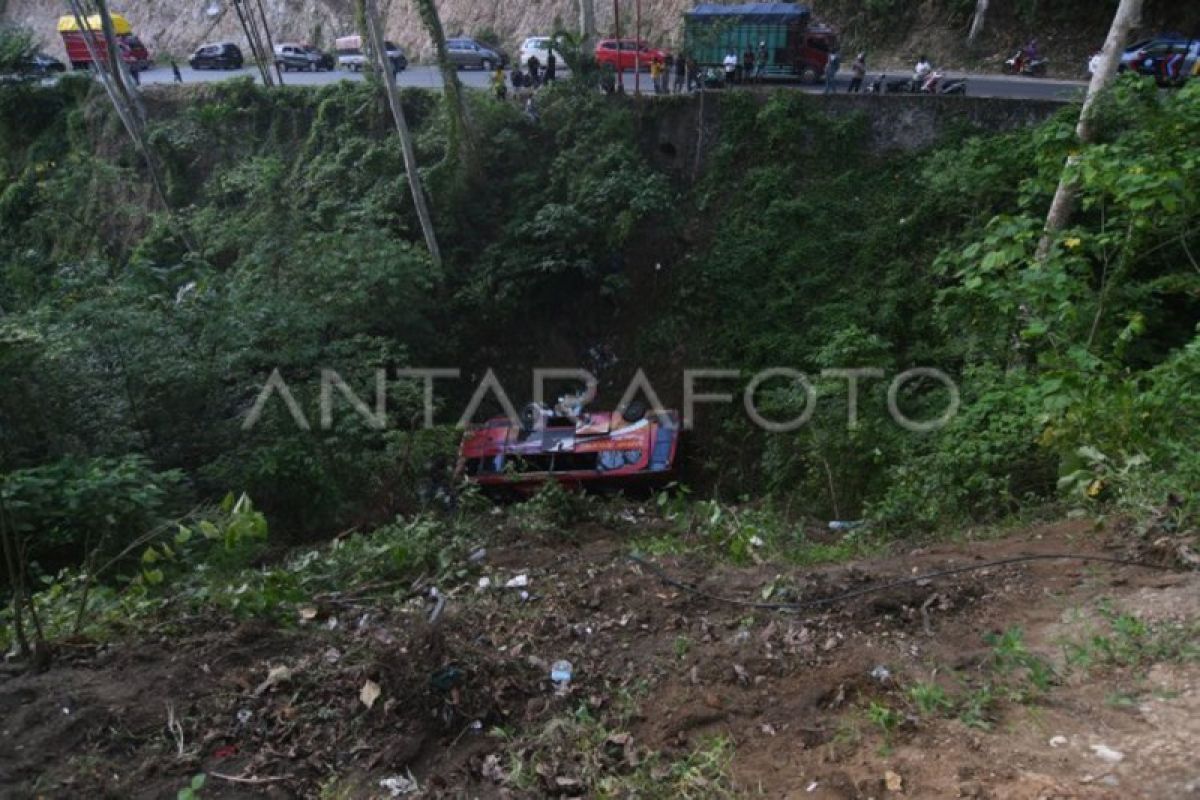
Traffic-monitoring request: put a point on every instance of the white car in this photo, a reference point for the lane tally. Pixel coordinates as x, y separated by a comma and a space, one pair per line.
540, 46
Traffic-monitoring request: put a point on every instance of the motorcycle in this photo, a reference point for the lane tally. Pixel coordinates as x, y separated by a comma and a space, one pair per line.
958, 86
1019, 64
933, 83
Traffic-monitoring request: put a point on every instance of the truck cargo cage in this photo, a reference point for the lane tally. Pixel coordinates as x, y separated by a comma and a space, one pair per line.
794, 44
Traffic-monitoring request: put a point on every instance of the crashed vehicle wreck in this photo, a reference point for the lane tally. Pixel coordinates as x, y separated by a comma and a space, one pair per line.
572, 446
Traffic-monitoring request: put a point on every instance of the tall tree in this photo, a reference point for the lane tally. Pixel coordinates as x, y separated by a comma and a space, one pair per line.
370, 16
977, 21
1063, 206
587, 26
128, 110
460, 140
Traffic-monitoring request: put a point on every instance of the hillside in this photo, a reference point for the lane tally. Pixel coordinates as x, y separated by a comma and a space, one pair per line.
931, 529
892, 31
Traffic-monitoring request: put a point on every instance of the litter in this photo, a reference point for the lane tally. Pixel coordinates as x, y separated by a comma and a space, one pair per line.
399, 785
561, 673
1106, 753
881, 673
844, 524
518, 582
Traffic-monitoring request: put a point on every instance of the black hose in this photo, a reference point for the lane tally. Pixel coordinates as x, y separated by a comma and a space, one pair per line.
837, 598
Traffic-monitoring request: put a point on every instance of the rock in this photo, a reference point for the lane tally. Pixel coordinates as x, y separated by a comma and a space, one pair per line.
893, 781
1106, 753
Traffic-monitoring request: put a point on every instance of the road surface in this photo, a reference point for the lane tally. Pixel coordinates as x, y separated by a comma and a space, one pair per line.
428, 77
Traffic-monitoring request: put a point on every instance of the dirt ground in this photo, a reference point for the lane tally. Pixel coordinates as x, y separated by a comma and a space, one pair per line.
361, 690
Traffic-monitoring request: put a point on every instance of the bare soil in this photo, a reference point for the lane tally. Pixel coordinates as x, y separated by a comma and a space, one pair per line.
791, 692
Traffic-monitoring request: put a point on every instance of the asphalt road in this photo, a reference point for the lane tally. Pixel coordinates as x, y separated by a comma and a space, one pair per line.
428, 77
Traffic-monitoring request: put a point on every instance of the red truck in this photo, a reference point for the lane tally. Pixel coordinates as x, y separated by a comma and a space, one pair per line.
132, 51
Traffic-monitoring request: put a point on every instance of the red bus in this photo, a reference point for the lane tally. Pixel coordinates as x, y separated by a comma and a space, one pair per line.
132, 51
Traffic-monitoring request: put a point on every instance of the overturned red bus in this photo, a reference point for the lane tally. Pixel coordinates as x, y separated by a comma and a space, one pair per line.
631, 446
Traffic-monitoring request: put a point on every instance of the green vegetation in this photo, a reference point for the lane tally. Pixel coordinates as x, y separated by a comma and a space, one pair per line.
606, 762
134, 342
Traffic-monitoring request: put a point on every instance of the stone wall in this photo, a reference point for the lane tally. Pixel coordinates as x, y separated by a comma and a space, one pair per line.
678, 131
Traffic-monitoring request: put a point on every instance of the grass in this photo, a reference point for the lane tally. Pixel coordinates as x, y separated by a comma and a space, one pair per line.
1127, 641
596, 751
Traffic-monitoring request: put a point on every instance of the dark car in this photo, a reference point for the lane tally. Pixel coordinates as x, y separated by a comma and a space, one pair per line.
41, 65
219, 55
463, 52
325, 61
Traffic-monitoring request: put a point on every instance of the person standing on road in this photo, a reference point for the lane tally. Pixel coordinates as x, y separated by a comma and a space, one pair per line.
175, 71
668, 71
858, 71
534, 65
656, 74
551, 67
760, 62
731, 65
831, 70
681, 64
748, 65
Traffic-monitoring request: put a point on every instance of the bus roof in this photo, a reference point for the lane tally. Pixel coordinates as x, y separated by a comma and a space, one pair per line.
752, 12
121, 26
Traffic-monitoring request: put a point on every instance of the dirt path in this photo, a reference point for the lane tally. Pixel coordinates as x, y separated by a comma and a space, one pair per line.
893, 694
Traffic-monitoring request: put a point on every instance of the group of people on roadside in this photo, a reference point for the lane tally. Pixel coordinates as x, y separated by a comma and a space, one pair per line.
533, 76
858, 72
750, 68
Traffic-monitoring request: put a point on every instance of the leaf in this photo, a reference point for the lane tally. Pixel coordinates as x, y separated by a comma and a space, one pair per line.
369, 693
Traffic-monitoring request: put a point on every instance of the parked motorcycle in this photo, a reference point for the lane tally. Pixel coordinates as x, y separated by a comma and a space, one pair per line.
1019, 64
933, 83
958, 86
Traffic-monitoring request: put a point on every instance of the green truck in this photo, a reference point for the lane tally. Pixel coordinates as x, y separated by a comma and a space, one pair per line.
795, 44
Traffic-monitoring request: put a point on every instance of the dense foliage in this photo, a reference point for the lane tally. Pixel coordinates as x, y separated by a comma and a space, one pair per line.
134, 341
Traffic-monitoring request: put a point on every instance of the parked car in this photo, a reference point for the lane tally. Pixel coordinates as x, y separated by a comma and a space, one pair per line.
351, 56
1135, 56
627, 54
325, 61
218, 55
471, 53
41, 65
540, 47
290, 55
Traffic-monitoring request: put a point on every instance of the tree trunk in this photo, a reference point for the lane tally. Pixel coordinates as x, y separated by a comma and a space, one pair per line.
123, 106
260, 58
1063, 205
587, 27
375, 30
114, 54
981, 7
456, 109
270, 42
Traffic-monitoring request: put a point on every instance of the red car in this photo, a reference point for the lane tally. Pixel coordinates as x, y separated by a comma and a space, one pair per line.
627, 54
594, 448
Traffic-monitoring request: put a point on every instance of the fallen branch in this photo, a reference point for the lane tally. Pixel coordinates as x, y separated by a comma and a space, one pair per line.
252, 779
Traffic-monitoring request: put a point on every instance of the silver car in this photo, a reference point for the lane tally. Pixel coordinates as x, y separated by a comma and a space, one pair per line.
470, 53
